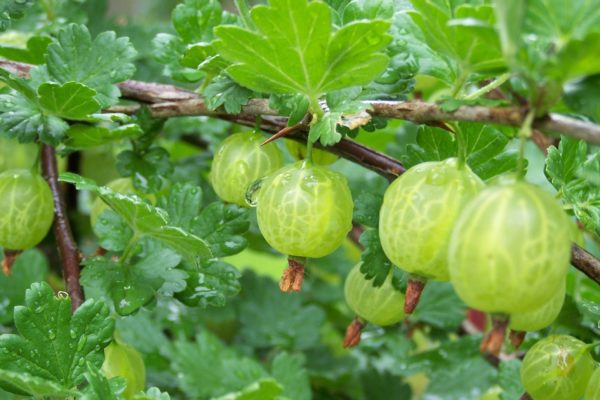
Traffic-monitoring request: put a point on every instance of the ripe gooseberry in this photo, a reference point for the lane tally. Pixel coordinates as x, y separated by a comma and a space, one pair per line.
27, 209
536, 319
303, 210
557, 367
381, 305
122, 360
319, 157
14, 155
592, 391
239, 161
417, 216
510, 249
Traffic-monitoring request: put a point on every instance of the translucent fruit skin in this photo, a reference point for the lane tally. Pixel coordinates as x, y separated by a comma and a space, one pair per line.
382, 305
592, 391
541, 317
510, 249
239, 161
27, 209
557, 368
122, 360
304, 210
418, 212
319, 157
15, 155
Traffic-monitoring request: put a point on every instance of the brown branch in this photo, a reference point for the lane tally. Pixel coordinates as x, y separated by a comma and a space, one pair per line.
62, 229
190, 103
171, 101
585, 262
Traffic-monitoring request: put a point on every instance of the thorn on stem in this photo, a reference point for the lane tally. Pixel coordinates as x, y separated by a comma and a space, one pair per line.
517, 338
9, 259
293, 276
353, 332
413, 294
285, 131
493, 341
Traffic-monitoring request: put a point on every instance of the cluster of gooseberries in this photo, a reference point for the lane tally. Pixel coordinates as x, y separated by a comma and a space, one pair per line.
505, 246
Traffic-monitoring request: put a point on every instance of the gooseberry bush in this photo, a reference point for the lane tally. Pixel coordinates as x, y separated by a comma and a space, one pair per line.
300, 199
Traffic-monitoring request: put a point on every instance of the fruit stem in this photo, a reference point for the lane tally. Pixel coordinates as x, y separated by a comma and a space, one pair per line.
317, 115
293, 276
517, 338
9, 259
524, 134
493, 341
489, 87
353, 332
414, 289
461, 146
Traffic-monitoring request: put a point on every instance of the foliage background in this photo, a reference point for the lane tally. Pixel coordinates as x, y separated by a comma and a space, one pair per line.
263, 336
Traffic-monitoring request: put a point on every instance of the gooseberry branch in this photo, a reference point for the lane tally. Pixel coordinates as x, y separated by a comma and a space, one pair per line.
67, 248
166, 101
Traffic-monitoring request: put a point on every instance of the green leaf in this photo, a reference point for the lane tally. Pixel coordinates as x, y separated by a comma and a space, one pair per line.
190, 56
33, 54
464, 34
101, 388
207, 368
12, 10
98, 64
374, 381
270, 318
266, 388
581, 97
53, 344
440, 307
510, 19
309, 58
182, 204
23, 119
509, 379
129, 286
366, 209
211, 284
375, 264
484, 148
29, 267
433, 144
153, 393
71, 100
222, 91
221, 226
145, 220
325, 130
562, 163
149, 169
295, 106
86, 136
25, 384
575, 176
288, 370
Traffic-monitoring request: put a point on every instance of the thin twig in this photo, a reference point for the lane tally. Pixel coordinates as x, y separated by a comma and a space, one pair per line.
585, 262
62, 229
171, 101
189, 103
